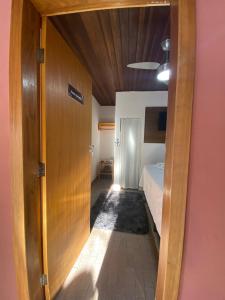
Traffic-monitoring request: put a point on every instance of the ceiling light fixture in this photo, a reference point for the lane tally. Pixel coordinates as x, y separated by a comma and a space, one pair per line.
164, 72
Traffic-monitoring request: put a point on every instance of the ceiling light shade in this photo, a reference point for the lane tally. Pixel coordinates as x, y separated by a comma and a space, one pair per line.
163, 73
145, 65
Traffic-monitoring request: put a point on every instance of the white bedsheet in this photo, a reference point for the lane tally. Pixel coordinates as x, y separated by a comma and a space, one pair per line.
152, 184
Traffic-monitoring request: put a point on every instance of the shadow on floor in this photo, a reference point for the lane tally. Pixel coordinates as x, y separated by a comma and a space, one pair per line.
129, 269
77, 286
113, 266
99, 186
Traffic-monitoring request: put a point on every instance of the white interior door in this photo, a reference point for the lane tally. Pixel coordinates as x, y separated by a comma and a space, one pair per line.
130, 152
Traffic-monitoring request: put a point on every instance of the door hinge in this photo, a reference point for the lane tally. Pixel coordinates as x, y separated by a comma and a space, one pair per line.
43, 279
41, 169
41, 55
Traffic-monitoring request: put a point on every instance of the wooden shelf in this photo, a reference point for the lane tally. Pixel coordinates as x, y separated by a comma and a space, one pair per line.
106, 126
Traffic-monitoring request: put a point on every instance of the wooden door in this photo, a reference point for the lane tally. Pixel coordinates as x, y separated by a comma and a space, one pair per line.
66, 136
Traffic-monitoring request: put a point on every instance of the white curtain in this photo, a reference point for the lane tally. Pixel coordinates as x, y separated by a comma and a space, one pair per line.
130, 152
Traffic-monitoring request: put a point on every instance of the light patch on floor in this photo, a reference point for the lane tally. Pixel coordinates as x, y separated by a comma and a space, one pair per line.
113, 266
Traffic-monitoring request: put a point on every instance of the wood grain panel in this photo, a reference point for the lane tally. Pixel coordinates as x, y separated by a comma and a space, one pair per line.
109, 40
48, 7
181, 90
16, 123
31, 147
66, 129
25, 148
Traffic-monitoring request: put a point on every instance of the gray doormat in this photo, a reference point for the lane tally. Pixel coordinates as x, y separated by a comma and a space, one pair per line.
120, 211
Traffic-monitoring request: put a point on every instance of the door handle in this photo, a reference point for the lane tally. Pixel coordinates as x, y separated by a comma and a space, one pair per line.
91, 149
117, 142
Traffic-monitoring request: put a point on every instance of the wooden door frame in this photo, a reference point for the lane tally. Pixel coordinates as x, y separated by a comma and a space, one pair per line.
181, 88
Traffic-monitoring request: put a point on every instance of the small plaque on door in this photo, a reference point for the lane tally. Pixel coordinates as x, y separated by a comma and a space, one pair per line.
75, 94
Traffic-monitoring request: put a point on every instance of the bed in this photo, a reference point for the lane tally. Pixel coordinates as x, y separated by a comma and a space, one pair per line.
152, 184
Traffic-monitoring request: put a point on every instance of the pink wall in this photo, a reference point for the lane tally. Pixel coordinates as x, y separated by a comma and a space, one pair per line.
203, 274
7, 270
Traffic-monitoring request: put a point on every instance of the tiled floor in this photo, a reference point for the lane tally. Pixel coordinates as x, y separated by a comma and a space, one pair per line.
113, 266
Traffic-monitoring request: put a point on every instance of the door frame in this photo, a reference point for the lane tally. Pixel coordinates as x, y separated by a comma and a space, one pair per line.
181, 90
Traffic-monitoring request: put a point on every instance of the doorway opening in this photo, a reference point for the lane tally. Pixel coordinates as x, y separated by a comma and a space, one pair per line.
107, 43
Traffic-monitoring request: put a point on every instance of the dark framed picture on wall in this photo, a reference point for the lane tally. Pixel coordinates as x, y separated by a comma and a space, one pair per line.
155, 124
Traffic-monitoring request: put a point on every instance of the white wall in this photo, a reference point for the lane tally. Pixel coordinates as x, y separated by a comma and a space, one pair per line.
102, 140
95, 137
107, 137
107, 113
132, 105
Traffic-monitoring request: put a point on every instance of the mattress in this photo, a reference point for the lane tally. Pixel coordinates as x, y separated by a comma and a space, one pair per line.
152, 184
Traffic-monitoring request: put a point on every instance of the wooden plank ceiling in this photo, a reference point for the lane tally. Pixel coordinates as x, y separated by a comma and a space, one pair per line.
106, 41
